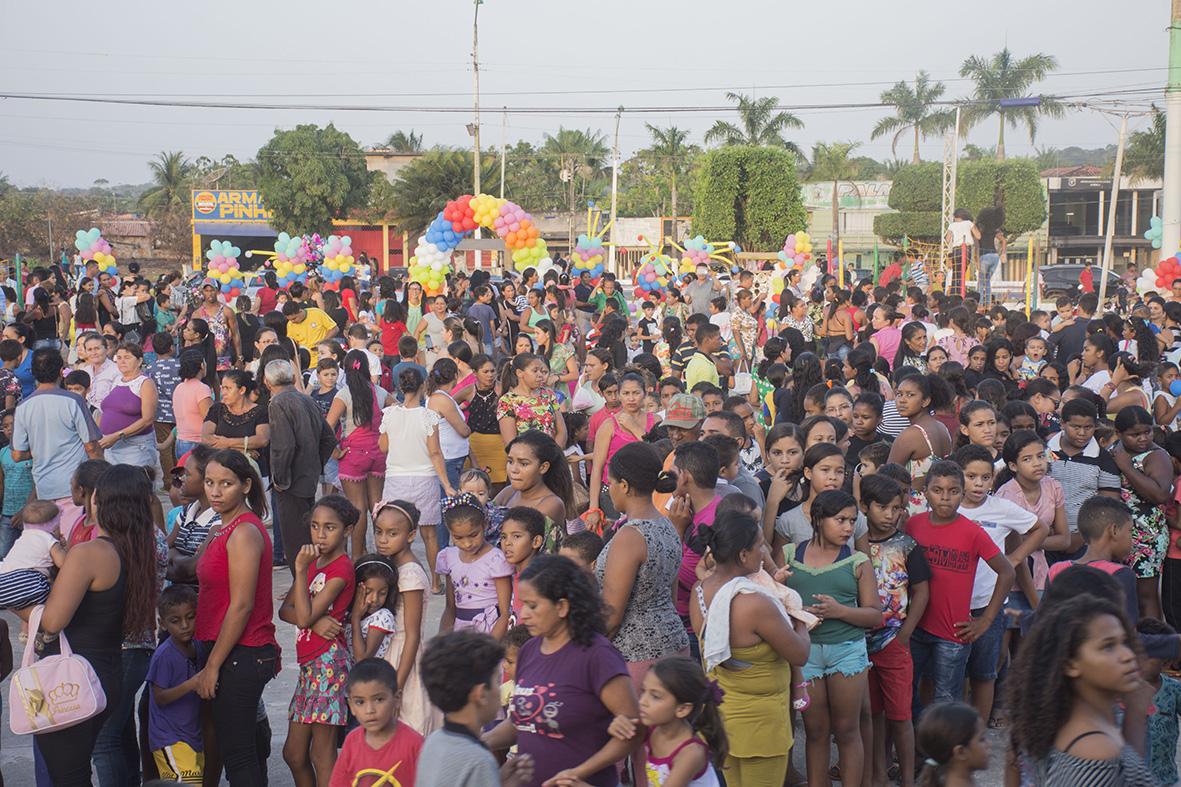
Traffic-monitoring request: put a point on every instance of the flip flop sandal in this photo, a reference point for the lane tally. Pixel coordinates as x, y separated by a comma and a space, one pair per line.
801, 705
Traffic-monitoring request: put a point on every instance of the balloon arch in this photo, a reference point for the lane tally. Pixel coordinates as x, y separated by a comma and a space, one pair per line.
459, 218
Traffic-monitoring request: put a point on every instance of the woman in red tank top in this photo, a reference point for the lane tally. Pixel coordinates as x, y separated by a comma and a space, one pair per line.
235, 623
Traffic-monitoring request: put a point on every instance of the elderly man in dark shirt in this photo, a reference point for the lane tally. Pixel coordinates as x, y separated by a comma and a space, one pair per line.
297, 425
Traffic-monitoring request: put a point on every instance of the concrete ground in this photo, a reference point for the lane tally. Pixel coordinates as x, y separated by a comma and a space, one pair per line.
16, 752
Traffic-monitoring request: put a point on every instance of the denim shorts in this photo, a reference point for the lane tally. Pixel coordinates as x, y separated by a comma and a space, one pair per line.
943, 661
847, 658
331, 474
985, 652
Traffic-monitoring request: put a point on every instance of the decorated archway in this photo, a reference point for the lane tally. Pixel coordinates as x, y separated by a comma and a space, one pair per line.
459, 218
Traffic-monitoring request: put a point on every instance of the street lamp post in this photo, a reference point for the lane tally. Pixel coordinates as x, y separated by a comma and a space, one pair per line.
476, 97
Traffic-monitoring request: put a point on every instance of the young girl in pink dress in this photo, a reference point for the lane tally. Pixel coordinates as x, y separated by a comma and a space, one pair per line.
479, 578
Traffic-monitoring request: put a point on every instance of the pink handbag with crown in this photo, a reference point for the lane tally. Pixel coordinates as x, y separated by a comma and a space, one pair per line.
55, 692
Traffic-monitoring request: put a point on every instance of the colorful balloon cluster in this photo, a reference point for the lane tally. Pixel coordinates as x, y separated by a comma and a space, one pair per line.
1154, 232
338, 258
696, 252
797, 250
94, 246
290, 259
432, 255
655, 271
1167, 270
223, 267
588, 256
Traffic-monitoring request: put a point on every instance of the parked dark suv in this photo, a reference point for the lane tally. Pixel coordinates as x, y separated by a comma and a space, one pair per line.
1063, 279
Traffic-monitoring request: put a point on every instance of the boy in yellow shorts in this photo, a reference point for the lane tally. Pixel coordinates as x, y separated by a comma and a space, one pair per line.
174, 710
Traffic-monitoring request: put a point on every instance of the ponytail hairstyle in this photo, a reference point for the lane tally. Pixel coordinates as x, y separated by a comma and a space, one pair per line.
1016, 442
966, 413
1146, 346
557, 477
443, 374
672, 333
241, 378
607, 359
639, 464
518, 364
684, 679
237, 463
461, 352
961, 319
953, 373
775, 347
829, 504
410, 380
392, 311
943, 728
861, 359
732, 534
360, 385
839, 298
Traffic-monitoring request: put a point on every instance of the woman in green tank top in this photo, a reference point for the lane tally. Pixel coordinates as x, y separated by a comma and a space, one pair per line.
836, 584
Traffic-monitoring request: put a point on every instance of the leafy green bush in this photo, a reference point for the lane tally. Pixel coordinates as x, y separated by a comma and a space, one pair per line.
750, 195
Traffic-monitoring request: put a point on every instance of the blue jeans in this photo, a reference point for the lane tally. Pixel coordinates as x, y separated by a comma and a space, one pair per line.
116, 752
985, 653
278, 558
988, 265
944, 661
8, 535
454, 469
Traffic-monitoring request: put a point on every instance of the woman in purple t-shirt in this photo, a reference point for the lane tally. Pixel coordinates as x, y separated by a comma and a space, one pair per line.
570, 683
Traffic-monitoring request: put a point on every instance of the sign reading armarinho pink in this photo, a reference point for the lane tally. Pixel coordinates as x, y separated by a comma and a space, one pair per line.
239, 206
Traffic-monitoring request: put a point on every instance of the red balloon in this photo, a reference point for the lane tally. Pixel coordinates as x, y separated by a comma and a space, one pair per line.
1160, 281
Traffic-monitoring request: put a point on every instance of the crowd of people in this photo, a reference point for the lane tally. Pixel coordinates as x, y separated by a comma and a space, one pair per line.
663, 534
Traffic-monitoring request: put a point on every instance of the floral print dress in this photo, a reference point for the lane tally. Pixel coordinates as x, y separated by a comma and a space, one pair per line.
1150, 532
539, 411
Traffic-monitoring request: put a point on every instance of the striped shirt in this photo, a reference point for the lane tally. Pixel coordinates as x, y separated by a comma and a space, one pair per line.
1083, 475
192, 526
918, 274
1125, 770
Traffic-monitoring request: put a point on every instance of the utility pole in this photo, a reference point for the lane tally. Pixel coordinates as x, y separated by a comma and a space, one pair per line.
614, 194
476, 97
503, 145
1111, 210
1171, 192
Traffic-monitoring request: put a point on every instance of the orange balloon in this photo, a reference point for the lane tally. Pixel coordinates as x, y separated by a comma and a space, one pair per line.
510, 239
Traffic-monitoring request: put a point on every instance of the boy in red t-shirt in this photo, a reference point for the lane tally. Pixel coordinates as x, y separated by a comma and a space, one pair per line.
953, 546
382, 750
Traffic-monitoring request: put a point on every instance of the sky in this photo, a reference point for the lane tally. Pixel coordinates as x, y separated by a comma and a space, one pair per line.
554, 55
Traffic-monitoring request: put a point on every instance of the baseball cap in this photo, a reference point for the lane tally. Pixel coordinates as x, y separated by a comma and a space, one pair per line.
685, 411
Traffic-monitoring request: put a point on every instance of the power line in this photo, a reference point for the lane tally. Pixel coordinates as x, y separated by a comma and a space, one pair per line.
575, 91
531, 110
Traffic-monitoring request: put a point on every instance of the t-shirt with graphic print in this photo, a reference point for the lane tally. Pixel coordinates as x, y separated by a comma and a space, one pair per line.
898, 565
952, 552
556, 709
309, 644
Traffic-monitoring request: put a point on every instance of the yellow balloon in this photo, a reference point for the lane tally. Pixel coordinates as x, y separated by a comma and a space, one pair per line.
300, 268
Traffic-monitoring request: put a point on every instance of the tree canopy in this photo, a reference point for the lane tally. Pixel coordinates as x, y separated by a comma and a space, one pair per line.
915, 112
427, 184
760, 122
748, 194
309, 176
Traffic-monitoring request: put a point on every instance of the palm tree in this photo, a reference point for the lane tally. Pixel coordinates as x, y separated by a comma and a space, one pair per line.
1146, 149
669, 155
171, 178
425, 185
579, 156
1004, 77
832, 162
762, 123
401, 142
914, 112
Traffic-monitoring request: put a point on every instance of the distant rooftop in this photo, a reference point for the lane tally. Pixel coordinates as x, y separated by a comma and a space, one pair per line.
1081, 171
